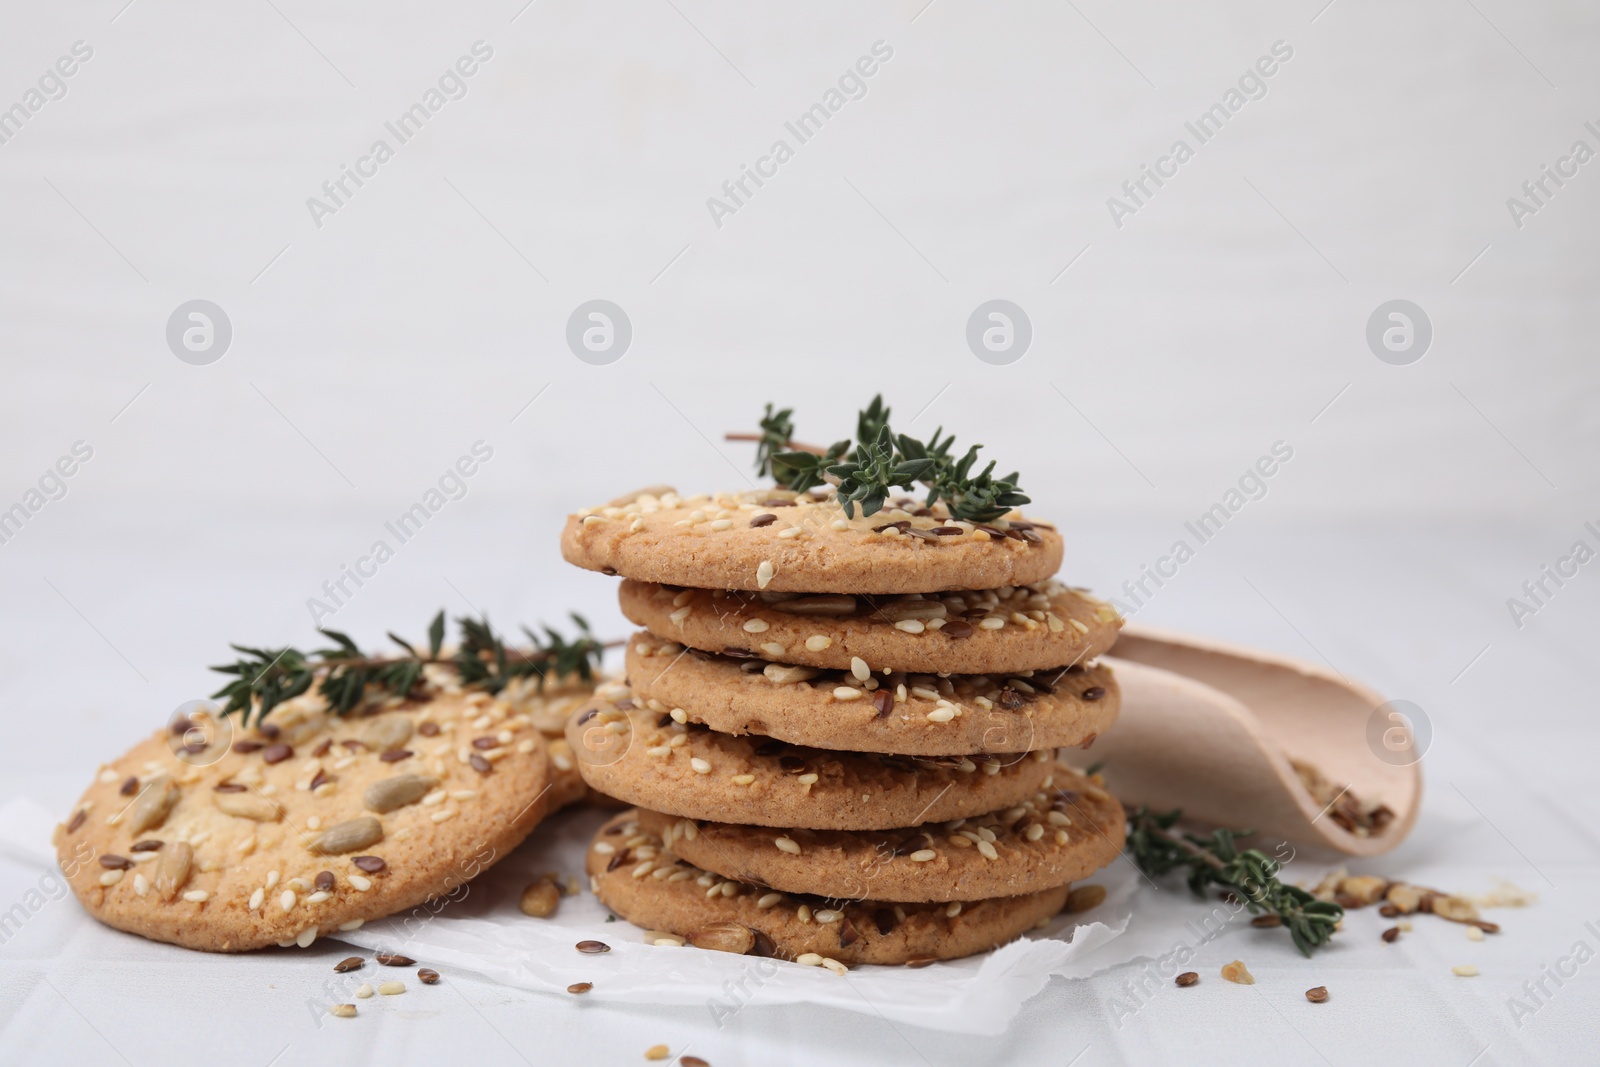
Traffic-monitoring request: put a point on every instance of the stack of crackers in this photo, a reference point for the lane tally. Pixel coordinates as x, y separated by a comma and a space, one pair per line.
840, 732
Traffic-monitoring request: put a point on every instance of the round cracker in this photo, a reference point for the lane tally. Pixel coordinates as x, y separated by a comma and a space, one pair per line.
726, 541
788, 927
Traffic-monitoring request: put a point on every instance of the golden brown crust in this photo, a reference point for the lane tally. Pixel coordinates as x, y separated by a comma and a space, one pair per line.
466, 820
770, 783
1072, 628
719, 692
685, 542
860, 931
1061, 835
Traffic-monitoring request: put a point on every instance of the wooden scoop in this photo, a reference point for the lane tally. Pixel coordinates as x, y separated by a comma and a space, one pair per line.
1211, 728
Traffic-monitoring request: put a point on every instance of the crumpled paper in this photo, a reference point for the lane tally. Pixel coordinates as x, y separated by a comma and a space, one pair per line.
480, 929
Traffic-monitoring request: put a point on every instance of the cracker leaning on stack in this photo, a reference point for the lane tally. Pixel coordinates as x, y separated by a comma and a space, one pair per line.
362, 786
840, 730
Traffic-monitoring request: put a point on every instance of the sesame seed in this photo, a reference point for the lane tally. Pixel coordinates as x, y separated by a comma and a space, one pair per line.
817, 643
840, 524
722, 524
605, 848
1061, 837
769, 900
111, 877
988, 850
764, 573
953, 910
924, 855
942, 714
807, 779
809, 959
772, 648
992, 622
789, 845
1059, 818
827, 915
592, 520
700, 766
910, 626
859, 668
1464, 970
358, 883
743, 779
681, 614
803, 913
755, 626
659, 751
441, 816
835, 966
286, 901
845, 692
392, 989
197, 896
793, 531
1034, 832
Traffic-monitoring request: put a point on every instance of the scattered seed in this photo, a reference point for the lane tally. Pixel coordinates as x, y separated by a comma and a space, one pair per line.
77, 820
395, 755
276, 753
1237, 973
787, 844
764, 519
390, 959
115, 863
1464, 970
428, 976
349, 963
392, 989
657, 1052
593, 947
1317, 994
370, 864
1264, 922
916, 962
540, 899
363, 991
1094, 692
343, 1011
1187, 978
1392, 934
580, 987
479, 764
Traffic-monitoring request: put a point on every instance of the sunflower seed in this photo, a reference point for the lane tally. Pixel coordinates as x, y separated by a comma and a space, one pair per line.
348, 836
153, 805
387, 794
172, 869
247, 806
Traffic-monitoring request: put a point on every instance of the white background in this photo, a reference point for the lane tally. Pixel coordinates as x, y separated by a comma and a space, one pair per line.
1227, 314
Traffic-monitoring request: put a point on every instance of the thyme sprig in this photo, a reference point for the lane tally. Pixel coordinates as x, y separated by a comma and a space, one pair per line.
1249, 874
882, 460
266, 677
